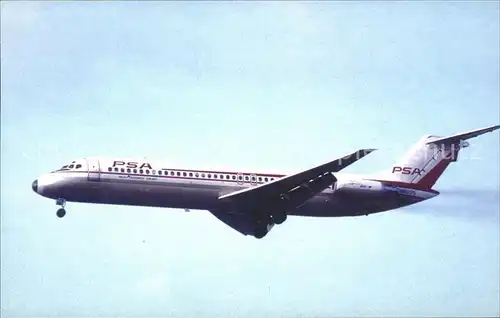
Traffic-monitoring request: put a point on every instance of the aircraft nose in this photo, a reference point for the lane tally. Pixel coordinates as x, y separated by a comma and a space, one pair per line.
34, 185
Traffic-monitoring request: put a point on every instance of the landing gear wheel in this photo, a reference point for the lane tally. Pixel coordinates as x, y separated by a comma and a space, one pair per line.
62, 203
279, 217
263, 224
261, 228
61, 212
260, 231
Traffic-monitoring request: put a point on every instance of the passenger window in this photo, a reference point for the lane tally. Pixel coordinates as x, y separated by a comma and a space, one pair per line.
116, 169
209, 176
172, 173
203, 175
240, 178
78, 166
191, 174
246, 178
141, 171
260, 179
153, 172
178, 174
147, 171
222, 177
253, 178
197, 175
184, 174
71, 166
266, 179
159, 172
135, 170
122, 169
128, 170
110, 169
234, 177
215, 176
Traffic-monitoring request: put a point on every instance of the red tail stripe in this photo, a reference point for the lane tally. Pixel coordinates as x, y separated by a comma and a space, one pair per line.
430, 178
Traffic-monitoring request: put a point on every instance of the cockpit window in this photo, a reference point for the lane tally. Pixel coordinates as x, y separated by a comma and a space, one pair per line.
63, 168
73, 165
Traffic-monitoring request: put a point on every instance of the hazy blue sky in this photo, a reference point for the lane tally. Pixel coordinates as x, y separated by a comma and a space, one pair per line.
249, 86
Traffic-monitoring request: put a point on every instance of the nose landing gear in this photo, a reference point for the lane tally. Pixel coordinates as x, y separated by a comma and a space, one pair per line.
61, 212
62, 203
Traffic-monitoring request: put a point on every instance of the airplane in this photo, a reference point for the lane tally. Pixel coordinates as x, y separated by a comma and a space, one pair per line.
253, 203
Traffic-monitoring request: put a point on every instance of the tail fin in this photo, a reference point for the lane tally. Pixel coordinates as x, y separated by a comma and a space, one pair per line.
429, 158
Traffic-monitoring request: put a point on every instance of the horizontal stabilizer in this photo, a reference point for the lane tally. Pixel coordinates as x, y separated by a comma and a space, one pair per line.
455, 139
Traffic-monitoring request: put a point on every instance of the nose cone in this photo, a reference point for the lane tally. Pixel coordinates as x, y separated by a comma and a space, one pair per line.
34, 186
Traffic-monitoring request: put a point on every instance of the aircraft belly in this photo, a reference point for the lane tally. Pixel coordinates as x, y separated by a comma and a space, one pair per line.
143, 194
341, 205
326, 206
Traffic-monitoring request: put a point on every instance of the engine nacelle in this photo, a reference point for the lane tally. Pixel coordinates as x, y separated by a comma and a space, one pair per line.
358, 187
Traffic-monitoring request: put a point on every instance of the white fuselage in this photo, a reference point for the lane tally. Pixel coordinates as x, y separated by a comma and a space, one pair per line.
147, 183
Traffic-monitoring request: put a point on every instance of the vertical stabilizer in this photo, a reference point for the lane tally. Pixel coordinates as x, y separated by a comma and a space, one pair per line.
426, 161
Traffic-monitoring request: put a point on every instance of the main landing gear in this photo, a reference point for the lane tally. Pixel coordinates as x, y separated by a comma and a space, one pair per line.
62, 203
278, 217
261, 229
265, 223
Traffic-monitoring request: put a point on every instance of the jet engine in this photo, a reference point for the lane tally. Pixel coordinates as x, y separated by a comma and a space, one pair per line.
365, 187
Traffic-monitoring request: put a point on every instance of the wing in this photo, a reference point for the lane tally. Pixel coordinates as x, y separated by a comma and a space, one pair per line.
254, 211
296, 188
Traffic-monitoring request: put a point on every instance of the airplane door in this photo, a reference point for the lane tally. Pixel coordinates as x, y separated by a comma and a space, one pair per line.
94, 170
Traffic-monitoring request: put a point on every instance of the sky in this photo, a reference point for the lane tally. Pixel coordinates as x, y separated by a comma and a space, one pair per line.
248, 86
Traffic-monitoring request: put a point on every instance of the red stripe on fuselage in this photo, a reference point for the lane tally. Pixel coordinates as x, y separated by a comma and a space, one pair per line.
179, 177
221, 172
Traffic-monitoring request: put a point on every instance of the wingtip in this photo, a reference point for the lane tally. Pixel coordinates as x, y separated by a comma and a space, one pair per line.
364, 152
489, 129
368, 150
